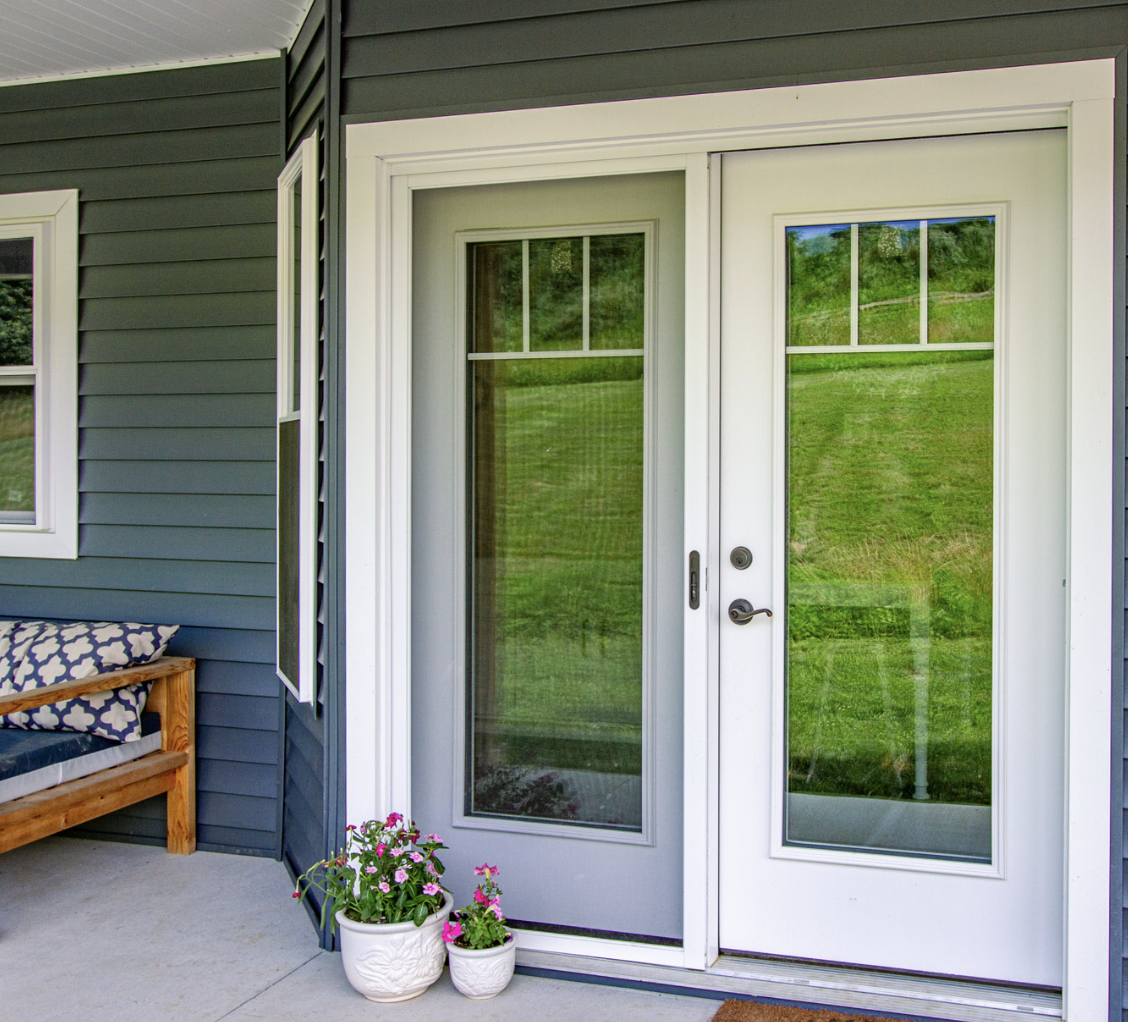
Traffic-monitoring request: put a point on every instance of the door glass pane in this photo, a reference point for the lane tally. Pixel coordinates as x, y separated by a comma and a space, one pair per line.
17, 454
495, 288
555, 694
889, 601
889, 282
556, 294
617, 291
15, 301
818, 284
961, 280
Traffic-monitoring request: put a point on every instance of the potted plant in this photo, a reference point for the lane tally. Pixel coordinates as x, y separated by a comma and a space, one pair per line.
384, 892
482, 951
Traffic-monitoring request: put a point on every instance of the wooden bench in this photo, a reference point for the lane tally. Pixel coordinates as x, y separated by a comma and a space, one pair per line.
172, 769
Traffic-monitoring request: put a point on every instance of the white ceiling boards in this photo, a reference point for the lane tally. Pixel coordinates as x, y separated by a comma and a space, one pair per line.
58, 38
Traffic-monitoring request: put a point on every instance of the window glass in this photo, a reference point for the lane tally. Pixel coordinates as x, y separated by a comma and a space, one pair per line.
17, 454
16, 292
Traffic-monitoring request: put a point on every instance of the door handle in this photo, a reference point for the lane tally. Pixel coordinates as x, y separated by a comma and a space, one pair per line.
741, 612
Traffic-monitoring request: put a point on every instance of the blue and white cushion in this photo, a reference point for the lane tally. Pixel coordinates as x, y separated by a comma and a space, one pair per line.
45, 653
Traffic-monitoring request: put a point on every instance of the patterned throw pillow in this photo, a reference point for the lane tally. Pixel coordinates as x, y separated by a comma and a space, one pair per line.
38, 653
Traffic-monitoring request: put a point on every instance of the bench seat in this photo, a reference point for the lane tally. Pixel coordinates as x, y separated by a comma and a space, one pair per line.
170, 768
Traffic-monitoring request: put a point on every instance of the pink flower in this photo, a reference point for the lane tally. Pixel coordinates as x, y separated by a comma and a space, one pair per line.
380, 849
431, 889
351, 826
451, 931
416, 857
371, 869
495, 908
486, 870
480, 898
393, 819
432, 837
431, 869
401, 876
385, 886
397, 852
295, 895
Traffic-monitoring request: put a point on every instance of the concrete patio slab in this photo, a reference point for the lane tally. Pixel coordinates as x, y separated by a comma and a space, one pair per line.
94, 930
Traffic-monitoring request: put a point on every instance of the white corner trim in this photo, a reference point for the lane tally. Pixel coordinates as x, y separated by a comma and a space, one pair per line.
1090, 496
556, 142
53, 216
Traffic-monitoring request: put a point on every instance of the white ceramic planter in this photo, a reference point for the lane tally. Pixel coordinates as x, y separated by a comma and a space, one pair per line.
482, 974
393, 961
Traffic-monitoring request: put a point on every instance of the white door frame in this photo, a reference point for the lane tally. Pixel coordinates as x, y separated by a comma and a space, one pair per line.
386, 161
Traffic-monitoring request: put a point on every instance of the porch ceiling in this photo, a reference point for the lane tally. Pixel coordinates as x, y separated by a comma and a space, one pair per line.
56, 38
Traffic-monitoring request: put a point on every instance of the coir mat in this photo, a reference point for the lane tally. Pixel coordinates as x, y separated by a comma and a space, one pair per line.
749, 1011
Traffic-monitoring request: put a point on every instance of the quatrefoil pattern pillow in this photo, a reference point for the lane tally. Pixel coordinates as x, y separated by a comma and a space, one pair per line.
38, 653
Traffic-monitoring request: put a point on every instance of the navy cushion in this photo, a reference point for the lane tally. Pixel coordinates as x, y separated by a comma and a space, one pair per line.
24, 751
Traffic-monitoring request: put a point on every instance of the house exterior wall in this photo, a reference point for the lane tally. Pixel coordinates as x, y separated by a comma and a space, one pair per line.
445, 57
176, 175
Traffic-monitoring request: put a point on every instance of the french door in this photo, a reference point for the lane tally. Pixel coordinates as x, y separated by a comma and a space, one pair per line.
546, 689
893, 441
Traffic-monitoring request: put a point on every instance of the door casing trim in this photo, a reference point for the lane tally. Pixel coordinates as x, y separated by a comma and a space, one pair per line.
386, 161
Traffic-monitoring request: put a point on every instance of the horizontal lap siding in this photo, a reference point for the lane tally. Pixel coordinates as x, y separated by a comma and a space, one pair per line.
438, 57
176, 174
305, 837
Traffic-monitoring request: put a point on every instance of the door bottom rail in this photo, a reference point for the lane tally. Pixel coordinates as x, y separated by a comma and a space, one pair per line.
814, 984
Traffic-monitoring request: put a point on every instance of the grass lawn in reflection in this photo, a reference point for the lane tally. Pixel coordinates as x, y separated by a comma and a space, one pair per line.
567, 580
890, 499
17, 449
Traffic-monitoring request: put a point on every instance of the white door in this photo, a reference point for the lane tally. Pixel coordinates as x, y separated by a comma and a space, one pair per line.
547, 323
893, 460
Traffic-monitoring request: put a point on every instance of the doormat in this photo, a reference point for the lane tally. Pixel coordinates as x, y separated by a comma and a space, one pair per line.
750, 1011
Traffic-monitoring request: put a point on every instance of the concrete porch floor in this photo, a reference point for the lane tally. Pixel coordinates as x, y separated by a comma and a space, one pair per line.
95, 930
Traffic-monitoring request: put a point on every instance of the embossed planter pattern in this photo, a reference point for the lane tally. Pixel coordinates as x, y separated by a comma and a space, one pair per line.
482, 974
393, 961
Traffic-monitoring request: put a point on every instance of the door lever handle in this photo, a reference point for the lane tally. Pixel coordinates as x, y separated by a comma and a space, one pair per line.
741, 612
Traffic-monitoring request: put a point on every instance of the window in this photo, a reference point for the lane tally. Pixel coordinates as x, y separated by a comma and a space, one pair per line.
296, 603
38, 374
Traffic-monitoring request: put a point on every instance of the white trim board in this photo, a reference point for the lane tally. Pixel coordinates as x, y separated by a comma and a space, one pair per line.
386, 161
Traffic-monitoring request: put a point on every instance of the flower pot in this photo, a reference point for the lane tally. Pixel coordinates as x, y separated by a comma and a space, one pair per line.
482, 974
393, 961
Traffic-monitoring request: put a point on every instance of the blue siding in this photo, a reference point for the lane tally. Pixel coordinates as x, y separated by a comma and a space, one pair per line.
176, 175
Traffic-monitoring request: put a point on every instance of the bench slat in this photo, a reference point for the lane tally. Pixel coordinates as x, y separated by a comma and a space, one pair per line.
66, 805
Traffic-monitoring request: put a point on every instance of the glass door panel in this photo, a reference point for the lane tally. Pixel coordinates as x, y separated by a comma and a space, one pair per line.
555, 702
889, 558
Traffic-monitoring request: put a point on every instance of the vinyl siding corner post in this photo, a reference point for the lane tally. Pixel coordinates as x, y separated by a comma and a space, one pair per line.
367, 485
1117, 657
1091, 446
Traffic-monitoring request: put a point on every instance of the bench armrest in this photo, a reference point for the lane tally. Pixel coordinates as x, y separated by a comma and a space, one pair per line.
22, 701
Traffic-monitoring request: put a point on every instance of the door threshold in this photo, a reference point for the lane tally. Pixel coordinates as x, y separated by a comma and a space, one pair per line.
953, 1000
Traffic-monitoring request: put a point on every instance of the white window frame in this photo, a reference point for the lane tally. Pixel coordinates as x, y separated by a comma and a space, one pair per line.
303, 167
387, 160
51, 219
